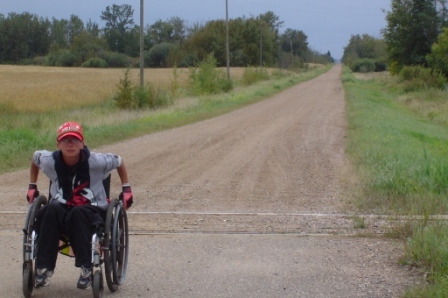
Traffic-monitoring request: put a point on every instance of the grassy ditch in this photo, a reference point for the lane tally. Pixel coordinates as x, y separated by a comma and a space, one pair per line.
401, 156
23, 131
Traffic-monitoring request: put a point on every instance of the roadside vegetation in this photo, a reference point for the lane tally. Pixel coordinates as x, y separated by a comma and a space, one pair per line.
398, 141
22, 130
398, 132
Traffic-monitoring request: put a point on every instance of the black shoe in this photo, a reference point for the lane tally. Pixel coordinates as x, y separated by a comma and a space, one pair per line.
85, 279
42, 278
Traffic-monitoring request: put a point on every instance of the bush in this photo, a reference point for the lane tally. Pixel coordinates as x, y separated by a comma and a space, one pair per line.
251, 75
437, 58
136, 97
66, 58
395, 68
60, 58
225, 85
408, 73
157, 55
124, 98
367, 65
418, 77
114, 59
27, 61
151, 97
95, 62
363, 65
380, 66
207, 79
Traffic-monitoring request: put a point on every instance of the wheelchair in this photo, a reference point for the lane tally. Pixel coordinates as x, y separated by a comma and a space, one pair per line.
109, 246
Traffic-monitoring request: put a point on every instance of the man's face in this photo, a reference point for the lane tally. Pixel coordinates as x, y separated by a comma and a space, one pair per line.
70, 146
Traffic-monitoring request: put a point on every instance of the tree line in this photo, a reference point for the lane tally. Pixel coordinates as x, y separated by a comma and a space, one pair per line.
416, 34
29, 39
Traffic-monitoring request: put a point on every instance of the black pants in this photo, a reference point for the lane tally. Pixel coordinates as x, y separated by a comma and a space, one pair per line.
57, 219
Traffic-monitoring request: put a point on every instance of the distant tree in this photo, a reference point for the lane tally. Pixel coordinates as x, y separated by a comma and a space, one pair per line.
208, 39
72, 43
75, 27
93, 28
171, 31
249, 40
253, 40
179, 30
86, 46
159, 32
443, 12
437, 59
2, 38
132, 42
273, 22
362, 47
59, 33
412, 28
63, 32
330, 58
23, 36
196, 27
268, 36
295, 42
119, 19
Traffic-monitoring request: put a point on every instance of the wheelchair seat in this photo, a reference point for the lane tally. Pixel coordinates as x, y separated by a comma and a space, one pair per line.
64, 242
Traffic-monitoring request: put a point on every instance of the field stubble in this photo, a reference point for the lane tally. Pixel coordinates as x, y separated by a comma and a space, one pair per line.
43, 89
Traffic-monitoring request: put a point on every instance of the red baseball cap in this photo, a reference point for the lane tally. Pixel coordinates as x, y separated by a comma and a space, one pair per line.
70, 129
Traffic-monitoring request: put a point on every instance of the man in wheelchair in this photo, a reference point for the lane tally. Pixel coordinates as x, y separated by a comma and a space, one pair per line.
77, 196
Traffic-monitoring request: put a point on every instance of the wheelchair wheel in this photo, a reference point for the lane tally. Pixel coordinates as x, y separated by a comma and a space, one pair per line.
27, 283
30, 246
116, 243
97, 284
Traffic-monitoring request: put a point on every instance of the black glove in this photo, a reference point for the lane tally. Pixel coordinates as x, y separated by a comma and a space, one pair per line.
32, 193
126, 197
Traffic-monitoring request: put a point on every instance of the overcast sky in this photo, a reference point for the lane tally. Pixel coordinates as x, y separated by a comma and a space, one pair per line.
327, 23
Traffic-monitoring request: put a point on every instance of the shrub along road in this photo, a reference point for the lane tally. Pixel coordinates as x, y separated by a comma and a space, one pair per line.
247, 204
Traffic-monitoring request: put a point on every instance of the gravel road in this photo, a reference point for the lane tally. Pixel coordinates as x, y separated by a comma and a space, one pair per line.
247, 204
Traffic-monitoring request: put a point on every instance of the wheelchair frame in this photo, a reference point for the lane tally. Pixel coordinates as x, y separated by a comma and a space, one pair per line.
109, 246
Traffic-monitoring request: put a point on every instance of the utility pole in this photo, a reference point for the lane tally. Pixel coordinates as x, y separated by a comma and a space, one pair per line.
261, 45
227, 40
292, 55
142, 61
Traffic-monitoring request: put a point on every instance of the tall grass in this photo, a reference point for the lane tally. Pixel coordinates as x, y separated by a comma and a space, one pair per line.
402, 159
23, 131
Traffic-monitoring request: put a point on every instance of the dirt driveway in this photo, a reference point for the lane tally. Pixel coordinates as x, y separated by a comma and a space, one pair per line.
268, 170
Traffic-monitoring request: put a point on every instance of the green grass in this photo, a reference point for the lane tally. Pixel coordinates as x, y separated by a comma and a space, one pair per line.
401, 157
21, 133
